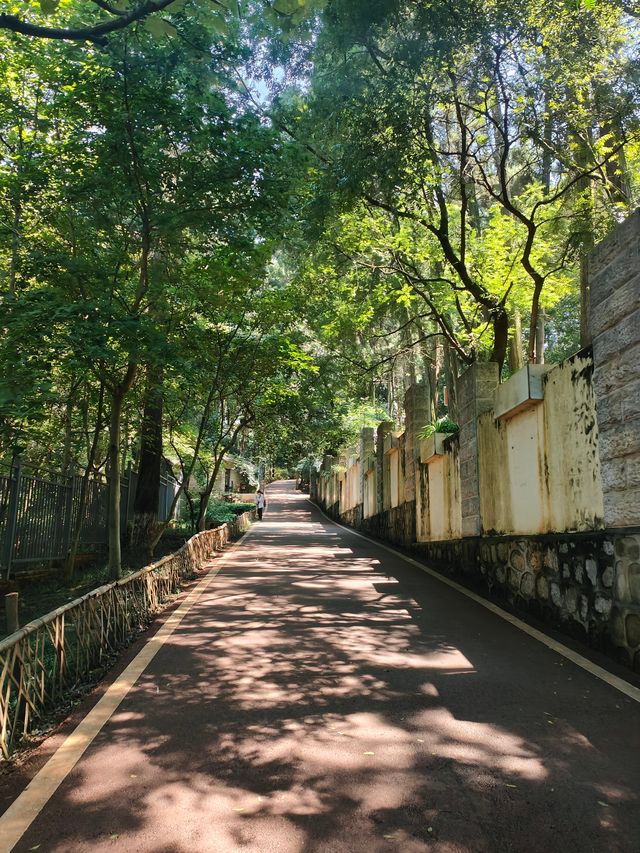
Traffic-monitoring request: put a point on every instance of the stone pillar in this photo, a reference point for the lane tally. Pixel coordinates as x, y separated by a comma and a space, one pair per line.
614, 293
416, 406
325, 484
367, 449
382, 478
475, 391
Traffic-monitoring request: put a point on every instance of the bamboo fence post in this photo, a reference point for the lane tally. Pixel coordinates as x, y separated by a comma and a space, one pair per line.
11, 612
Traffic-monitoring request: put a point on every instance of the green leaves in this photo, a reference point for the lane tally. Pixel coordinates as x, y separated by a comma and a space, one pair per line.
144, 228
287, 7
48, 7
159, 27
454, 163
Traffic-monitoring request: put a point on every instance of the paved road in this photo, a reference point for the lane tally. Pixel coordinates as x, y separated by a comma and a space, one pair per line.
322, 695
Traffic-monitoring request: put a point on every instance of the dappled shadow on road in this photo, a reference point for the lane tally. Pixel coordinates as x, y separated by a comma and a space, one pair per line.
324, 696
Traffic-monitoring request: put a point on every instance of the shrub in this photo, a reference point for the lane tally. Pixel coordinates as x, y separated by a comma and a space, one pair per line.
444, 424
221, 512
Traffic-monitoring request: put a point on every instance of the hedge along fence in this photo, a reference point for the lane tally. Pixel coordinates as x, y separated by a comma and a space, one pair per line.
46, 660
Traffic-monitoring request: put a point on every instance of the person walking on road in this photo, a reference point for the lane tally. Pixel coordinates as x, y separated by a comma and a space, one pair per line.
261, 503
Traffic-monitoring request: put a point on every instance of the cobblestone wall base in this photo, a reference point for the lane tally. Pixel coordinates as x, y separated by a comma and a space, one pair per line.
585, 584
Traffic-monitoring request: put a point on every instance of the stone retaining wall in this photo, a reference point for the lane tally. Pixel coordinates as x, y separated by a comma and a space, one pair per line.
586, 584
397, 525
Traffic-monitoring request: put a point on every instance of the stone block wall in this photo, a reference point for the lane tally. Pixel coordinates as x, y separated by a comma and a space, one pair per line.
382, 472
614, 279
614, 292
475, 391
416, 404
367, 449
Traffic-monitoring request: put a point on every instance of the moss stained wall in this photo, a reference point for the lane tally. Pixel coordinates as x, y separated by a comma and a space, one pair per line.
540, 469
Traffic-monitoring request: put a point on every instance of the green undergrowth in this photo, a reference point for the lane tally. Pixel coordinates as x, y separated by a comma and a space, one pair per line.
42, 595
221, 512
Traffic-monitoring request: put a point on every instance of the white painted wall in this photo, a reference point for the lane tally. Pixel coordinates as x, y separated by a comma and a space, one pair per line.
539, 468
394, 462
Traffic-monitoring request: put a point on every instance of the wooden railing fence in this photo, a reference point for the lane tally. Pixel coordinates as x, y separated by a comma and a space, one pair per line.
50, 657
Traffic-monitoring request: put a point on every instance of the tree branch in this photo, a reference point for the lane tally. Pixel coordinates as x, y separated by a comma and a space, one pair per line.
95, 34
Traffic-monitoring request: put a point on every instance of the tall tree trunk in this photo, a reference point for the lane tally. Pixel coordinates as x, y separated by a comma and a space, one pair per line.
113, 462
547, 156
500, 335
225, 442
187, 472
583, 187
113, 472
145, 506
192, 509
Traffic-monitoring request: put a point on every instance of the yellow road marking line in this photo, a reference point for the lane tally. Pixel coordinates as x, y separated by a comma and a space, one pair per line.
28, 805
590, 667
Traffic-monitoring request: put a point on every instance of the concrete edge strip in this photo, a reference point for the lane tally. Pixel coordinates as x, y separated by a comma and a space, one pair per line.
576, 658
27, 806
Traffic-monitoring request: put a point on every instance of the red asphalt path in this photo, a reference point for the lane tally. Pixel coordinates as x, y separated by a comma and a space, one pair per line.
323, 695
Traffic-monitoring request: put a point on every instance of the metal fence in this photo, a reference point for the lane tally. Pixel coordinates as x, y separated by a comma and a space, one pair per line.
40, 512
49, 658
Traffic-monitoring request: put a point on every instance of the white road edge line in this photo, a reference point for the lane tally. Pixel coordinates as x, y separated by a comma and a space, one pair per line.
17, 819
590, 667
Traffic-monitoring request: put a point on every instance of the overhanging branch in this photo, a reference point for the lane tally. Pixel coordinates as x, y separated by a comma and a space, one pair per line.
95, 34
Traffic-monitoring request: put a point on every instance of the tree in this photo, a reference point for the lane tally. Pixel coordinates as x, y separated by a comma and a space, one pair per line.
465, 145
161, 173
114, 17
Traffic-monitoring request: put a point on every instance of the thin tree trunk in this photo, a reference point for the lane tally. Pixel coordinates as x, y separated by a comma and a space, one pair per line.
516, 353
69, 568
451, 376
539, 350
67, 421
145, 507
113, 461
585, 303
15, 242
584, 187
225, 442
192, 509
547, 159
206, 495
430, 374
124, 444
